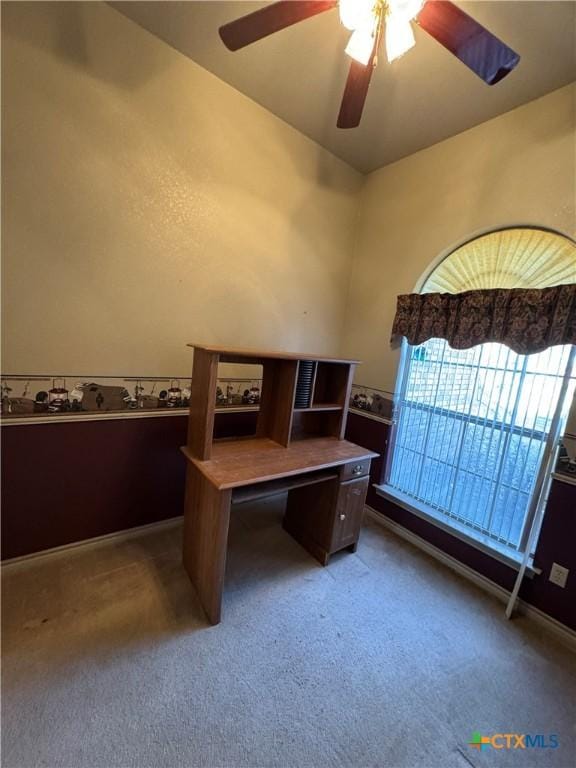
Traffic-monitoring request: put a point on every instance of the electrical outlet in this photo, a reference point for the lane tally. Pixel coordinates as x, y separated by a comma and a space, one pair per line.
558, 574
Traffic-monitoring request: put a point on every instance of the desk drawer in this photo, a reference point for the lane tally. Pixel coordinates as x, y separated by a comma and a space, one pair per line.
355, 469
349, 512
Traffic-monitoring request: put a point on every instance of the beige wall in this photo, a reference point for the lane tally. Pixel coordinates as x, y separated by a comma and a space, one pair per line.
148, 204
519, 168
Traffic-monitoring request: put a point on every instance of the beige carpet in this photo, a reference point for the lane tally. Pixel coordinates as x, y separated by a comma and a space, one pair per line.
384, 658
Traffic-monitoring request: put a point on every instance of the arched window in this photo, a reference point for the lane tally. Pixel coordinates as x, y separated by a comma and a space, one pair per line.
472, 425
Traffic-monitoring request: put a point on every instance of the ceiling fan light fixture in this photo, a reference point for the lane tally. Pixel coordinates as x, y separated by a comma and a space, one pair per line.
405, 9
474, 45
399, 37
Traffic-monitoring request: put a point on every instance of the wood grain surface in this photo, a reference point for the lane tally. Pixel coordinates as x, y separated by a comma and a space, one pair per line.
231, 355
242, 462
205, 537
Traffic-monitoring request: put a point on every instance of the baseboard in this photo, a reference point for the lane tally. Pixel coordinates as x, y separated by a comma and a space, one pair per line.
127, 533
563, 633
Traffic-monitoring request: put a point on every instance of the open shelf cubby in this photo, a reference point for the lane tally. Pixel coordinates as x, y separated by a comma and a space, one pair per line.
311, 423
331, 384
302, 397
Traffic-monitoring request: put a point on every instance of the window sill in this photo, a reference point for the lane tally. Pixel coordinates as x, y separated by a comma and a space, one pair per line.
482, 543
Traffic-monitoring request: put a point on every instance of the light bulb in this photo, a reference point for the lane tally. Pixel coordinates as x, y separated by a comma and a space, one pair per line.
356, 13
406, 9
399, 36
361, 45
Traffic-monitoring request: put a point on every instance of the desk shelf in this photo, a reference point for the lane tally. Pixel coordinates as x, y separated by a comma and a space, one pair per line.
275, 487
288, 382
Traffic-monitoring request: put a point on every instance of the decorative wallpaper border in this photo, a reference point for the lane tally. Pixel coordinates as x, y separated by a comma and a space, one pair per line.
24, 396
369, 400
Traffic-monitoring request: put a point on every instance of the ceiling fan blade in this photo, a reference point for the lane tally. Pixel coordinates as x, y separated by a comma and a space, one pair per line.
479, 49
272, 18
355, 93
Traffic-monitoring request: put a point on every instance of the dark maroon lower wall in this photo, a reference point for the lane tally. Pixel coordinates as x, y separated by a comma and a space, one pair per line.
70, 481
556, 543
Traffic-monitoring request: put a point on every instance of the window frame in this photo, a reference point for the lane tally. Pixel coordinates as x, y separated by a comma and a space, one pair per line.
481, 541
533, 515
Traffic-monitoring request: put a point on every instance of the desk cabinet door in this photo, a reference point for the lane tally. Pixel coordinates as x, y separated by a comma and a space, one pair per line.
349, 511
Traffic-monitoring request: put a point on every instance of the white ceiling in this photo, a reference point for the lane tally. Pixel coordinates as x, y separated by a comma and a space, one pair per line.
424, 97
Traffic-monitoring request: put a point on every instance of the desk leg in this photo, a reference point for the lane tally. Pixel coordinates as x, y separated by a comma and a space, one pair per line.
206, 520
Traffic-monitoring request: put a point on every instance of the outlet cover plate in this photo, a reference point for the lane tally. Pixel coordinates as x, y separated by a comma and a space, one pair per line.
558, 574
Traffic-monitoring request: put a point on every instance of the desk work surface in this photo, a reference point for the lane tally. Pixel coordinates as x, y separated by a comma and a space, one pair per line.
235, 463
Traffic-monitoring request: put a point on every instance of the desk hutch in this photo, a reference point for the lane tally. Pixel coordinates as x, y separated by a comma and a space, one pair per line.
298, 448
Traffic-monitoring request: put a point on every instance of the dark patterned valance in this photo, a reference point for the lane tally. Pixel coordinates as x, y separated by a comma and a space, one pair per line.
525, 319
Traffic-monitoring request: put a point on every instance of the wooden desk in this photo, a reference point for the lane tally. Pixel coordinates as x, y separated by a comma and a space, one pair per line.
326, 479
298, 448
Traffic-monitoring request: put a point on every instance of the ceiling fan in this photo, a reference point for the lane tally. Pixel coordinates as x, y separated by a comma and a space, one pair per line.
370, 21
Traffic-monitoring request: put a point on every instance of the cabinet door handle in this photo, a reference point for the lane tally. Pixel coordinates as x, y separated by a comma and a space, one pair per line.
356, 491
342, 517
357, 469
